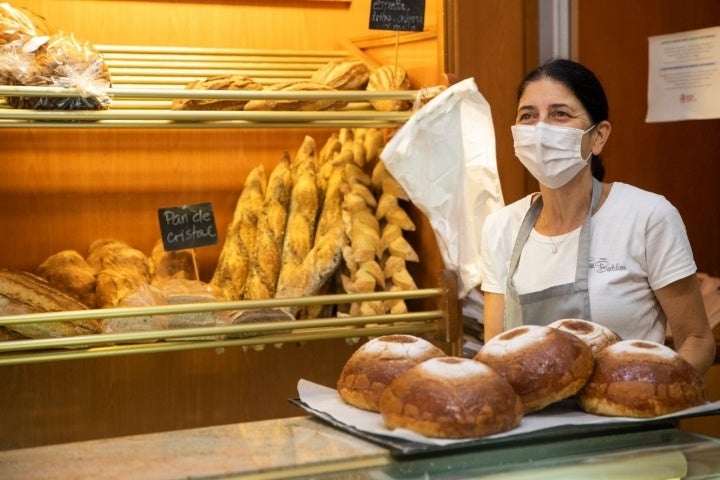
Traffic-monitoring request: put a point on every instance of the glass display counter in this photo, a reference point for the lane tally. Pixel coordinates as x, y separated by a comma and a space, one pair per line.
305, 447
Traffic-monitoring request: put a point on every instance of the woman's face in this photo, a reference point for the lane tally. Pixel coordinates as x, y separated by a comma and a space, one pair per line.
551, 102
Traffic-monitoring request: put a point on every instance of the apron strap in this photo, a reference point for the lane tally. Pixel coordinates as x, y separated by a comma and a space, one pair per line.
583, 259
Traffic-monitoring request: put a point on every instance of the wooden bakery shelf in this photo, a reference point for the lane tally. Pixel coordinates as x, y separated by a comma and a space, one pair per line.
145, 80
441, 324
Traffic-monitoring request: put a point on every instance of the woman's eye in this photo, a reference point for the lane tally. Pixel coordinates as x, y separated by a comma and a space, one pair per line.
524, 117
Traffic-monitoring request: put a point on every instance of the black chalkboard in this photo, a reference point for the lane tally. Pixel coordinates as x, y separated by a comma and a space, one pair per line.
187, 226
401, 15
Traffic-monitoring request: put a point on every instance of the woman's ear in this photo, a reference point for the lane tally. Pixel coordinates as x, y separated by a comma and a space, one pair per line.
602, 132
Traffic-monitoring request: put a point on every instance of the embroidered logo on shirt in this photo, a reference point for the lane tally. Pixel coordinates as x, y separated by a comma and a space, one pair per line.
603, 265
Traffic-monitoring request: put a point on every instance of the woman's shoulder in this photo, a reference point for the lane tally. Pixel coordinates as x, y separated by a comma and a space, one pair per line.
629, 200
625, 195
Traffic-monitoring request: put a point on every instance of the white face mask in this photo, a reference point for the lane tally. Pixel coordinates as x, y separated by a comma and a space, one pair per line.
550, 153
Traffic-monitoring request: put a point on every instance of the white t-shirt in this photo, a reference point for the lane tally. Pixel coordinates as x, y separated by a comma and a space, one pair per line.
638, 244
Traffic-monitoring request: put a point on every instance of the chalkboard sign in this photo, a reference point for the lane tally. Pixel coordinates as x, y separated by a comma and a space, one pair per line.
400, 15
188, 226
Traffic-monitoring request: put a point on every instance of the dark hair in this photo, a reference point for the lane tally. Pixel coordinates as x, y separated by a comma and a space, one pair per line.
583, 83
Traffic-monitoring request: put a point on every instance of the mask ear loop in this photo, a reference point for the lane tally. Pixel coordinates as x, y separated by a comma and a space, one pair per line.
590, 155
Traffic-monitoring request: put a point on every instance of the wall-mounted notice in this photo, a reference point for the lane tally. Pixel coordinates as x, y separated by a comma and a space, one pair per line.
684, 76
187, 226
399, 15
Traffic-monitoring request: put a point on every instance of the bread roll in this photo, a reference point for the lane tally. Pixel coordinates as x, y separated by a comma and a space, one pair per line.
376, 363
385, 79
451, 397
23, 292
345, 74
596, 336
231, 82
68, 271
544, 365
120, 269
296, 104
637, 378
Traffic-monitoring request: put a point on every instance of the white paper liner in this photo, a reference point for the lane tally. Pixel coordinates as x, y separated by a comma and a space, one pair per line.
327, 400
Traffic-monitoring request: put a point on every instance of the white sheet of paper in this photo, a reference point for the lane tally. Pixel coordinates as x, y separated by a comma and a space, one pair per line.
327, 400
684, 76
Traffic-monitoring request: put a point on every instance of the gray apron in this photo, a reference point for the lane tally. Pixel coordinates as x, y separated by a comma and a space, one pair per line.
571, 300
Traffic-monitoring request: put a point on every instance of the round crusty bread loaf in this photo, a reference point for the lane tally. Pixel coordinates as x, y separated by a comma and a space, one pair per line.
595, 335
376, 363
544, 365
638, 378
451, 397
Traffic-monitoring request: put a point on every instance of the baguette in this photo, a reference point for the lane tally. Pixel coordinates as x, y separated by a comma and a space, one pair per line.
265, 266
23, 292
217, 82
296, 104
323, 260
302, 219
235, 257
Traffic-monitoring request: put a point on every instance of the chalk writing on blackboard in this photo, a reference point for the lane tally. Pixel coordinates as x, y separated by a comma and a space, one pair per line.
187, 226
400, 15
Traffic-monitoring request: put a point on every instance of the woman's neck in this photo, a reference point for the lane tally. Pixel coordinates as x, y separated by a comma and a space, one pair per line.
565, 209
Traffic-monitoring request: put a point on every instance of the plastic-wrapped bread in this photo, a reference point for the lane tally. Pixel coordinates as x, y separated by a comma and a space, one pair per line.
235, 257
301, 222
64, 61
176, 264
265, 266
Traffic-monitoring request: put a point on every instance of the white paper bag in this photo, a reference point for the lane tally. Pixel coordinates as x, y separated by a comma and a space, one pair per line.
444, 157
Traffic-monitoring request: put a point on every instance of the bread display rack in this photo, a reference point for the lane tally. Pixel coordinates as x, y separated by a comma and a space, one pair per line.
440, 324
145, 80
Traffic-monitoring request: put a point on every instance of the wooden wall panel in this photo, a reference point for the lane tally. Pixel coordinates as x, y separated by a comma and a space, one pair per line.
680, 160
495, 42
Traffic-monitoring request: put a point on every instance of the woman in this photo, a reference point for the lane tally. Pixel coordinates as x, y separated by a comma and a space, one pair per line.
606, 252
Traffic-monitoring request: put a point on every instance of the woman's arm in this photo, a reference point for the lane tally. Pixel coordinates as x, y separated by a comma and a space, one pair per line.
683, 306
494, 310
